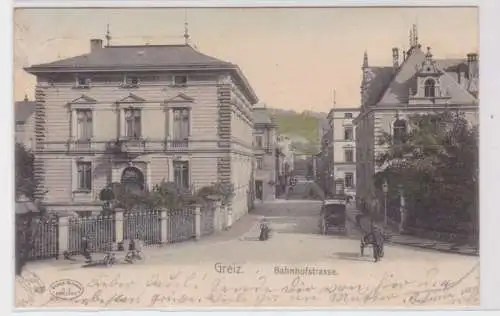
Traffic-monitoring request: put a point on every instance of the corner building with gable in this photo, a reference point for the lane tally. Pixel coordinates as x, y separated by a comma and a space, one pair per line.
420, 84
140, 115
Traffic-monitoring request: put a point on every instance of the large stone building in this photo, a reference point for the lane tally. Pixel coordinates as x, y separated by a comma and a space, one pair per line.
24, 113
139, 115
266, 150
340, 146
418, 84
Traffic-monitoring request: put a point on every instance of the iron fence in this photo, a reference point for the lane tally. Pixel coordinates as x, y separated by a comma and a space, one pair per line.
181, 224
99, 230
37, 237
145, 226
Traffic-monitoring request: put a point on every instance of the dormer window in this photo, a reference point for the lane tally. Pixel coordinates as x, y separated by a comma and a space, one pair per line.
83, 82
180, 80
130, 81
430, 88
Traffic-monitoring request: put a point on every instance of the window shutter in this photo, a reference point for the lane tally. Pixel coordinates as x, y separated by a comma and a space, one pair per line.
74, 176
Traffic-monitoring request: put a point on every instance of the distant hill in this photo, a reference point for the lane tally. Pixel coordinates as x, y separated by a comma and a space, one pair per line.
304, 129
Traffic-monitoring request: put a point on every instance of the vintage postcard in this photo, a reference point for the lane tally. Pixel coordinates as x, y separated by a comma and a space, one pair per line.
246, 157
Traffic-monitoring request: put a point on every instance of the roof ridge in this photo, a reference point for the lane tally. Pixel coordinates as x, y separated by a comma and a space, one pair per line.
146, 45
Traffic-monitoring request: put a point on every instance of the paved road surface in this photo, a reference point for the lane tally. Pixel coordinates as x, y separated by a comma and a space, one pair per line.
295, 243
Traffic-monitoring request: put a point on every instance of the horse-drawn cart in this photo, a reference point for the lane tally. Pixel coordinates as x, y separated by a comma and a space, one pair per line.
333, 216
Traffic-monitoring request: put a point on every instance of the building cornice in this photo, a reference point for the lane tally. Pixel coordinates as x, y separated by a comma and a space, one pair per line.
37, 70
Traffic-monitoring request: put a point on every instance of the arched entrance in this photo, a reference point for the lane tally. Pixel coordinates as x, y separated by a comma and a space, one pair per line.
133, 180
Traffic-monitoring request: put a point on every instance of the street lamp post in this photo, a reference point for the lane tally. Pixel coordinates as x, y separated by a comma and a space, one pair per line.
385, 189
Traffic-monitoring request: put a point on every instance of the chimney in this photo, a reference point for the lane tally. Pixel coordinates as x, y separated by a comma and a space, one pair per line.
395, 58
95, 44
472, 62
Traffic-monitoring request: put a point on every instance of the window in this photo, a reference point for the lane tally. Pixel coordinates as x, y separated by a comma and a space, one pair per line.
84, 170
83, 82
348, 155
260, 163
181, 174
133, 123
181, 124
430, 88
131, 81
348, 133
84, 125
180, 80
399, 131
349, 180
258, 141
348, 115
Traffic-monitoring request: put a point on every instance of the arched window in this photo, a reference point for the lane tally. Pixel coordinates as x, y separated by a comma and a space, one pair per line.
133, 180
399, 131
430, 88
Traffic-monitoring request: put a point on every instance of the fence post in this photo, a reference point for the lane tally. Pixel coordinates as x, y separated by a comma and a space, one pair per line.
164, 226
119, 225
197, 222
63, 235
217, 215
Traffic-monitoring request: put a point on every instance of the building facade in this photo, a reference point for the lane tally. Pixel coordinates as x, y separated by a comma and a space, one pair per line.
24, 112
343, 146
266, 154
140, 115
418, 84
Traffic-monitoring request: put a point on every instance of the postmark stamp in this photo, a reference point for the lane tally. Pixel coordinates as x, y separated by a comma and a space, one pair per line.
66, 289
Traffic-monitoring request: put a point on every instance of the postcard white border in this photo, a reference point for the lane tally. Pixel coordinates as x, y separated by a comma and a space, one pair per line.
489, 142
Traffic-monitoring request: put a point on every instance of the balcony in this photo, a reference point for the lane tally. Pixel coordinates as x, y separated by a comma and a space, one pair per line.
127, 145
81, 145
132, 145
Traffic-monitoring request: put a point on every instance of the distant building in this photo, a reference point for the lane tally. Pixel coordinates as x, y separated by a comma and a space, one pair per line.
417, 85
341, 147
266, 152
24, 112
140, 115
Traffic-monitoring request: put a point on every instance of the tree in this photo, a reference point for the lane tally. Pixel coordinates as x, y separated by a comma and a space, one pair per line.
436, 163
25, 180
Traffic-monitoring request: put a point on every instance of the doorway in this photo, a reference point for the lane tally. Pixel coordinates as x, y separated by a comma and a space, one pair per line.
258, 189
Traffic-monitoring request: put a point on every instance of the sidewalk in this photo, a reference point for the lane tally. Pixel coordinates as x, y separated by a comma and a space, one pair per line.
393, 236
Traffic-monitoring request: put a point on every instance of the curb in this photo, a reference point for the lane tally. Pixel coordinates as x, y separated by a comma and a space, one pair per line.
474, 254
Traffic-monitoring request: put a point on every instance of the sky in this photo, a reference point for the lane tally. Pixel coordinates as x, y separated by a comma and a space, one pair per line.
294, 58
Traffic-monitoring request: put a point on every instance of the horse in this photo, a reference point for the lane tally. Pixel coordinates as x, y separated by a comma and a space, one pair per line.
374, 238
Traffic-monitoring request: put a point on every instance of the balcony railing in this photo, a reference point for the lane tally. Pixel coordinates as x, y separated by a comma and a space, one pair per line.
178, 143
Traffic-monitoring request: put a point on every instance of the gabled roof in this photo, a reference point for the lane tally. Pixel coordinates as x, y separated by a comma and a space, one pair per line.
389, 87
23, 110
